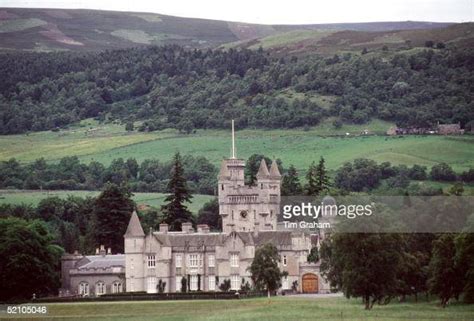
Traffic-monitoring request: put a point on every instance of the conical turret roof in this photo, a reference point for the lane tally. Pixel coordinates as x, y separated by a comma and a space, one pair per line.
274, 171
263, 170
134, 228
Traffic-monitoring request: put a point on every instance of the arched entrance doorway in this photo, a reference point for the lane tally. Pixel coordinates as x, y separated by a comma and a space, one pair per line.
310, 283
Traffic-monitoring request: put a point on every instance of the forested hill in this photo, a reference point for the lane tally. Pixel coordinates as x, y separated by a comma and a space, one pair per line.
173, 87
86, 30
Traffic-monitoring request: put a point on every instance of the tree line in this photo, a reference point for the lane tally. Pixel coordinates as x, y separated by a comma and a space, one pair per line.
172, 87
151, 175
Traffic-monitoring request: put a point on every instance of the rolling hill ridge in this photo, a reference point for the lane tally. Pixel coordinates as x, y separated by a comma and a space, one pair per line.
85, 30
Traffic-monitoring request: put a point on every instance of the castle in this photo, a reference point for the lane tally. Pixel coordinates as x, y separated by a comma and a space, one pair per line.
167, 260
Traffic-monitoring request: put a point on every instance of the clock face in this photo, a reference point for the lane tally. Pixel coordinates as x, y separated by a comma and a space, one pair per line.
243, 214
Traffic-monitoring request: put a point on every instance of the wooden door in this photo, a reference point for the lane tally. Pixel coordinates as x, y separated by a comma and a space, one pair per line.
310, 283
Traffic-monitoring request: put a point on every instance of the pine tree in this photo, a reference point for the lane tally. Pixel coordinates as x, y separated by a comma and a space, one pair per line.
291, 184
311, 187
112, 210
322, 178
175, 212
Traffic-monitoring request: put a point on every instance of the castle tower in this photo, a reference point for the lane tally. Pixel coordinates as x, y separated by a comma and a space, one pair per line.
134, 249
246, 208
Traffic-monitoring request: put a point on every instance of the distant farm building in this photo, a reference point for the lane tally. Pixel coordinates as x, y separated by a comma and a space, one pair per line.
408, 131
441, 129
450, 129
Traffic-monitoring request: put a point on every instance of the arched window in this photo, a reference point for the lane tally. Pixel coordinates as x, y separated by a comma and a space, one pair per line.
84, 288
117, 287
100, 288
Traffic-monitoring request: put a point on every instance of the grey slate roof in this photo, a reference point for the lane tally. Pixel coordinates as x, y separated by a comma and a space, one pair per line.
263, 169
274, 171
101, 261
193, 239
277, 238
134, 227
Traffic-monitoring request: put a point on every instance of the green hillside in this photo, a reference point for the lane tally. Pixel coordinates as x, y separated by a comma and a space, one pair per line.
298, 147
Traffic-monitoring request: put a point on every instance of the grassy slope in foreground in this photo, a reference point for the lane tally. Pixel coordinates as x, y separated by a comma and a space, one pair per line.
282, 308
34, 197
298, 147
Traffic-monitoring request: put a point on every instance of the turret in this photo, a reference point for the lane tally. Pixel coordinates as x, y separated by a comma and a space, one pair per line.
134, 249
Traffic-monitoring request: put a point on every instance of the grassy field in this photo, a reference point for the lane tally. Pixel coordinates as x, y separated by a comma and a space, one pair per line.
34, 197
104, 143
282, 308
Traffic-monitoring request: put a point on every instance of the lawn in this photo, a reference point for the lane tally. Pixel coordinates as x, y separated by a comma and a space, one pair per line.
281, 308
104, 143
34, 197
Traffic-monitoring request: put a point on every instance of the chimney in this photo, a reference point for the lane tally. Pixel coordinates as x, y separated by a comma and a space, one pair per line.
109, 251
203, 228
164, 228
102, 250
96, 251
187, 227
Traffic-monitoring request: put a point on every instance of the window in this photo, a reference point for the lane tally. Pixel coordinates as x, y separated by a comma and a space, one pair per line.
284, 283
193, 260
178, 263
284, 260
194, 283
151, 285
222, 186
117, 287
84, 288
178, 283
179, 260
212, 283
211, 261
100, 288
234, 282
151, 261
234, 260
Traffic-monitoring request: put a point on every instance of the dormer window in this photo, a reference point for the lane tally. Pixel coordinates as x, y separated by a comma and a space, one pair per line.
151, 262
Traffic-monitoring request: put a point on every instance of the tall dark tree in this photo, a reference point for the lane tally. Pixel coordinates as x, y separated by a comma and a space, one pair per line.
175, 211
291, 184
322, 178
112, 210
30, 260
311, 187
465, 261
251, 167
446, 279
362, 265
209, 214
266, 274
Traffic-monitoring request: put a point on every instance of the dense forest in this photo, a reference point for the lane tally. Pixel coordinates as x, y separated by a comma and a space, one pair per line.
172, 87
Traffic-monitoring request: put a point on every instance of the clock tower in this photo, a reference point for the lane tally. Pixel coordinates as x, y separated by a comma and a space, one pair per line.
245, 208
